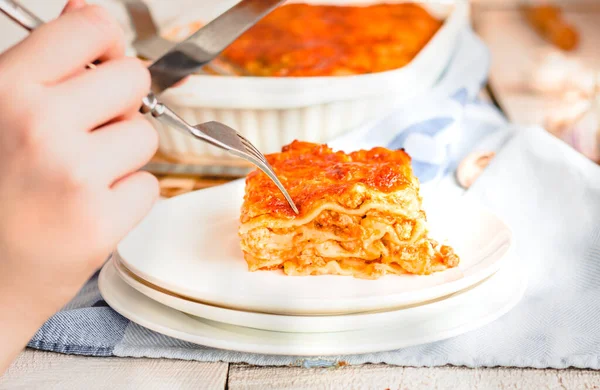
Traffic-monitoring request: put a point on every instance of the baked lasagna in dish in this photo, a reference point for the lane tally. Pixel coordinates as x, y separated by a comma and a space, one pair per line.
325, 40
360, 215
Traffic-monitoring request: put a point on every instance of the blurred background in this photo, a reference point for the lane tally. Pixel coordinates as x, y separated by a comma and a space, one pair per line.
545, 70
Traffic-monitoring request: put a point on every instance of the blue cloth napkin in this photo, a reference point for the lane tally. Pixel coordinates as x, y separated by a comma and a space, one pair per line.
548, 193
432, 127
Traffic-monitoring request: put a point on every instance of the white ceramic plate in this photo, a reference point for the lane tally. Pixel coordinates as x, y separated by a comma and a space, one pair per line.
189, 245
307, 324
496, 297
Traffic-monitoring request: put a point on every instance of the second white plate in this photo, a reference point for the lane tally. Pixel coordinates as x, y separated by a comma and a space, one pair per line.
318, 324
189, 245
496, 297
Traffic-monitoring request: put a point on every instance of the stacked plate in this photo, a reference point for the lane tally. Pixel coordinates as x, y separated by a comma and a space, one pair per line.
181, 273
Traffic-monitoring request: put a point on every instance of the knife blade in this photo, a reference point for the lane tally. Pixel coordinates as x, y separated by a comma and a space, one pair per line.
204, 45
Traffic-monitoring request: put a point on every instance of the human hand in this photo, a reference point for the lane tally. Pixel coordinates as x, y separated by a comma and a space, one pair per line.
71, 144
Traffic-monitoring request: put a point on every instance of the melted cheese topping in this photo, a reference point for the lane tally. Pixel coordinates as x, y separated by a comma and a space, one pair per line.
314, 175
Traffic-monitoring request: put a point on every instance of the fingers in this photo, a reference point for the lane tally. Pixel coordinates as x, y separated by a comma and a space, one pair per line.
177, 84
130, 200
64, 46
73, 5
122, 148
113, 89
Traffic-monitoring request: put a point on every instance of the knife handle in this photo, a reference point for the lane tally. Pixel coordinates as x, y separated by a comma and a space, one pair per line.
20, 15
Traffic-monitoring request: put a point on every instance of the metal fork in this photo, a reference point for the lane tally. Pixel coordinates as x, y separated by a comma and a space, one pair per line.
215, 133
219, 135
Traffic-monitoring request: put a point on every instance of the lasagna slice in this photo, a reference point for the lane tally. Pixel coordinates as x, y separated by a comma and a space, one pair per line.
360, 215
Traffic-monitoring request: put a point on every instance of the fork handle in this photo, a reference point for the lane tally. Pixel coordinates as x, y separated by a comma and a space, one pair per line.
151, 105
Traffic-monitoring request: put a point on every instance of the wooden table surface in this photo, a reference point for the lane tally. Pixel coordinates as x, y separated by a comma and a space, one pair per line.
514, 46
43, 370
35, 369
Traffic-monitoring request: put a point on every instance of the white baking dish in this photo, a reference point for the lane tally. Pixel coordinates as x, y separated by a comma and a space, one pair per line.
273, 111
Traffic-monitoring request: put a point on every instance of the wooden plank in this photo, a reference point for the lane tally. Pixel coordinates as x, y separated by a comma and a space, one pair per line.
44, 370
514, 46
527, 109
381, 376
507, 4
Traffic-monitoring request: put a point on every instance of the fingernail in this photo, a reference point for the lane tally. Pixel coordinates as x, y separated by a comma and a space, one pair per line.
73, 5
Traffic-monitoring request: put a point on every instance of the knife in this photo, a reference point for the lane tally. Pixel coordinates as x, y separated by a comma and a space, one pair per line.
176, 169
188, 56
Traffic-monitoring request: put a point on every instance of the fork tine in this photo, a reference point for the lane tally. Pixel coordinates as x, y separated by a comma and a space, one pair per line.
256, 153
268, 170
250, 148
212, 130
249, 145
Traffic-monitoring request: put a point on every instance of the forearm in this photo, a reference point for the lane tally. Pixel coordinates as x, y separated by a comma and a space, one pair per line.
61, 213
20, 318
